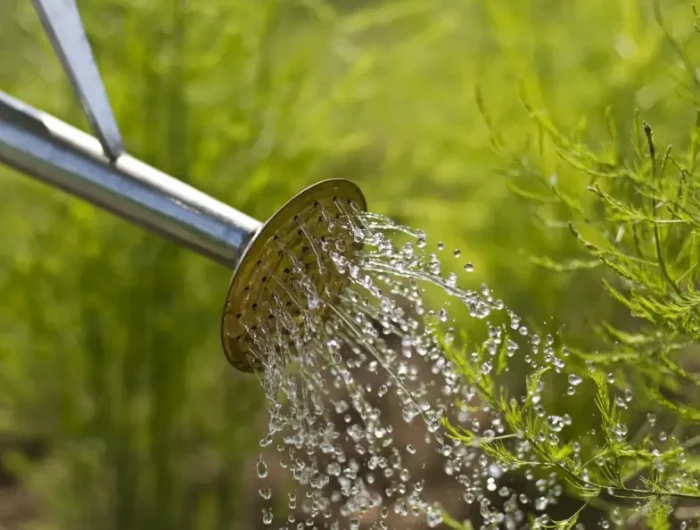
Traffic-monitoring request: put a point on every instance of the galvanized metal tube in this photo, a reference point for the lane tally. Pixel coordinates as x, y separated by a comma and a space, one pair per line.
58, 154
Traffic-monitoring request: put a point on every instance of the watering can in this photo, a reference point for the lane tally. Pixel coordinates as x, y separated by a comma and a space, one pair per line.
101, 172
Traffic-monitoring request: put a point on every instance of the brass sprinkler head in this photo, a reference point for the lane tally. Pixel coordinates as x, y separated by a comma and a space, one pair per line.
262, 280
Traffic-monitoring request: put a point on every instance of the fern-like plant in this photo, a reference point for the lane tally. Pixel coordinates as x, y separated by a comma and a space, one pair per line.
616, 428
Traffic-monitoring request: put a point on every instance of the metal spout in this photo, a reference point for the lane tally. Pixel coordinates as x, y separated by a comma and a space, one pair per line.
58, 154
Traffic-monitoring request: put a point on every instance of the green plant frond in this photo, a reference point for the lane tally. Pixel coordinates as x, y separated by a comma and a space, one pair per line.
531, 195
495, 138
628, 339
562, 453
635, 309
636, 213
618, 210
683, 411
609, 253
499, 452
570, 203
677, 370
606, 358
502, 360
572, 265
514, 415
657, 514
450, 522
533, 381
608, 171
610, 414
563, 143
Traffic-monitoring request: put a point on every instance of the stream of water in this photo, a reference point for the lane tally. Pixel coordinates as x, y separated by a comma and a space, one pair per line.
346, 378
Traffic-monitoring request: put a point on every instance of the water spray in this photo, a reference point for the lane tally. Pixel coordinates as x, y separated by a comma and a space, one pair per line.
100, 171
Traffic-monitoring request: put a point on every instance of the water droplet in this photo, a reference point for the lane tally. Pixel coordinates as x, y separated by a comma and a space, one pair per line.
620, 431
261, 467
469, 267
434, 517
265, 493
556, 423
491, 484
574, 380
452, 280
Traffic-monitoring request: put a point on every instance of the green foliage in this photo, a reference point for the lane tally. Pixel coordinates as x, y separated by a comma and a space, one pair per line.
633, 208
109, 337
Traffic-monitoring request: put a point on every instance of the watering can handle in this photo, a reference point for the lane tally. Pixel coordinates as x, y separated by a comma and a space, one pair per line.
62, 23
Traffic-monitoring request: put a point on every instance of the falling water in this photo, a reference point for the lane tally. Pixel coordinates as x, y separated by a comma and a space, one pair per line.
336, 369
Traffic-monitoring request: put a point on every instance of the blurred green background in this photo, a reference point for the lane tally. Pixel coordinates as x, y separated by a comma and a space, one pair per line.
117, 408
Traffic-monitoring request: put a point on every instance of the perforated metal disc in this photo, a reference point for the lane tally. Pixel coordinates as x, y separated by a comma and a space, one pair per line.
265, 267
